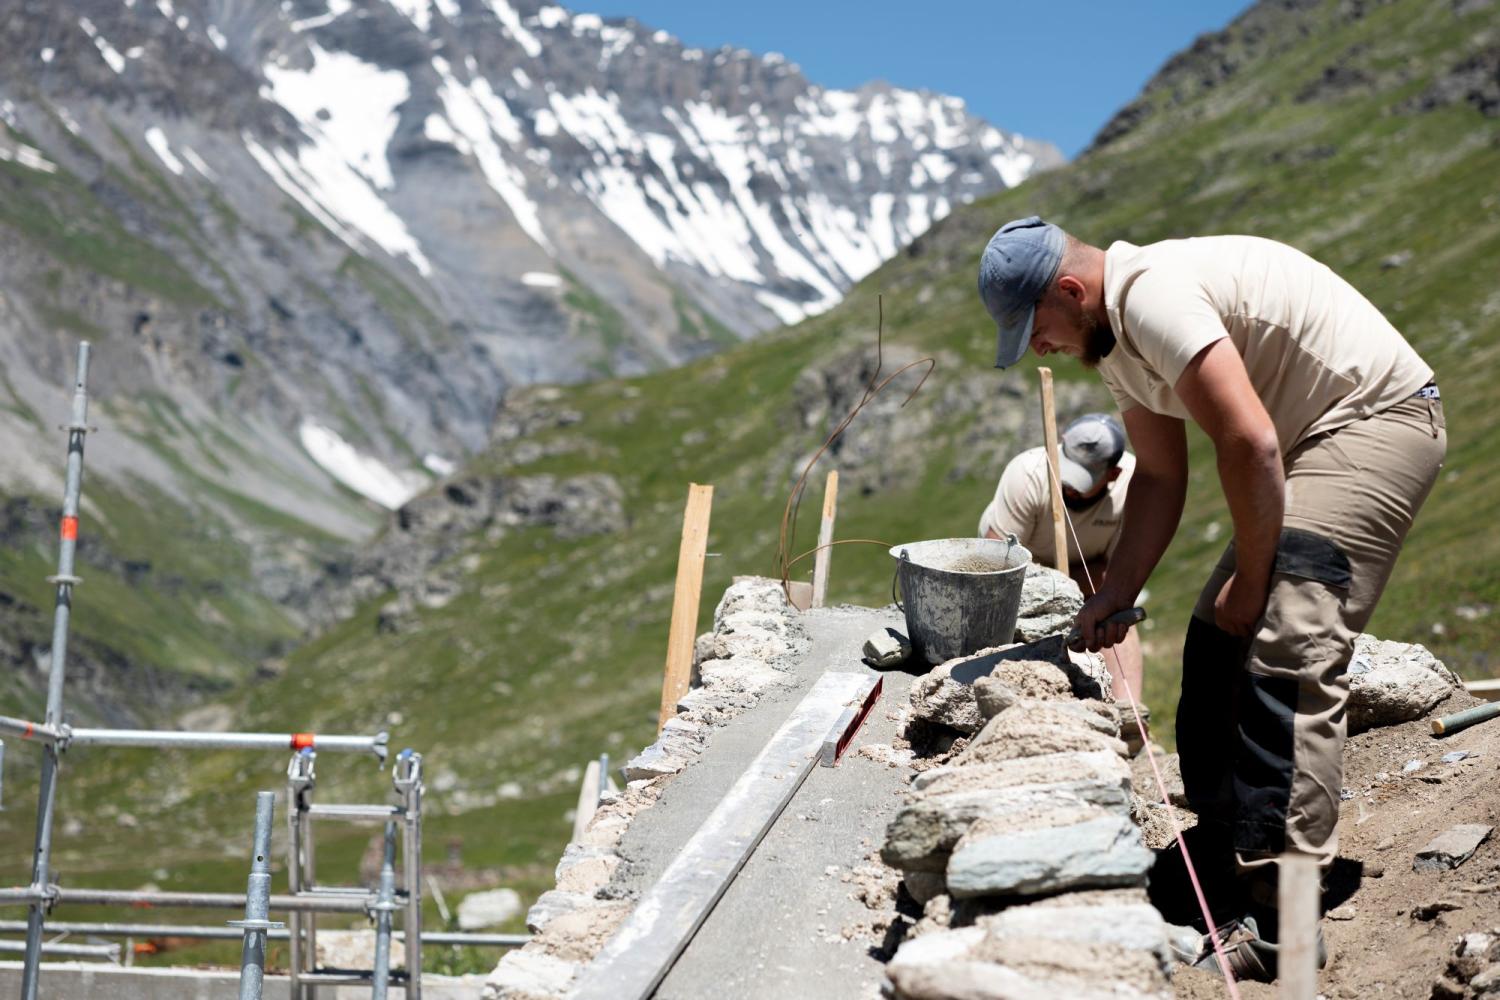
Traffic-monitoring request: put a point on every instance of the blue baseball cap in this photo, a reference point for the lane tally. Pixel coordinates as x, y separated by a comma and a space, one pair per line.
1018, 264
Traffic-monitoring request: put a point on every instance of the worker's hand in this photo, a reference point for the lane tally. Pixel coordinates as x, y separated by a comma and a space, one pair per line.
1096, 632
1240, 604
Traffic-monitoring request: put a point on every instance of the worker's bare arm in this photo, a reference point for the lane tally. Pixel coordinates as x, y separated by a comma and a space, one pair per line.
1153, 506
1216, 390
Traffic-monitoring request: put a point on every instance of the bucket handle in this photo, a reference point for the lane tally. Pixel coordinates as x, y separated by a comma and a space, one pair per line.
895, 575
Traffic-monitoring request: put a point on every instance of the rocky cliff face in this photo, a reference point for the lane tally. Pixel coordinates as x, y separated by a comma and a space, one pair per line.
337, 230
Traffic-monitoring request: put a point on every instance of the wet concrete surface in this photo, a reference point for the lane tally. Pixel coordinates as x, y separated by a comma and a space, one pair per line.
778, 930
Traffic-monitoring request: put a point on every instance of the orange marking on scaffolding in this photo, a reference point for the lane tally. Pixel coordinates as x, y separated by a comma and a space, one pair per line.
301, 741
70, 528
29, 730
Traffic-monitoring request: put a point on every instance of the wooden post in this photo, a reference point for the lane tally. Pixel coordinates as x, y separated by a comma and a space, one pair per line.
825, 538
1297, 963
685, 598
1049, 430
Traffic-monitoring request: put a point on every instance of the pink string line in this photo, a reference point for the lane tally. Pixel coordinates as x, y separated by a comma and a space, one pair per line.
1161, 788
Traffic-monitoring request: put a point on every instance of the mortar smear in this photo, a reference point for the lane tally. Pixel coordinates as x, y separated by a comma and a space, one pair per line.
975, 564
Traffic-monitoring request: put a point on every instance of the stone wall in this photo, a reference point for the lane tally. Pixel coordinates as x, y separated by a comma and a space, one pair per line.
1019, 839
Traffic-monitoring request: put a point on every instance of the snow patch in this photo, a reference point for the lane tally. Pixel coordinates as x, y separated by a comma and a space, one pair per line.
364, 474
551, 16
541, 279
47, 54
786, 310
196, 162
111, 56
157, 140
28, 157
479, 116
360, 102
512, 23
438, 465
217, 37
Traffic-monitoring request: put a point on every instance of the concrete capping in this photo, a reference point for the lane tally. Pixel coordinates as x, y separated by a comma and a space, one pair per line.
755, 635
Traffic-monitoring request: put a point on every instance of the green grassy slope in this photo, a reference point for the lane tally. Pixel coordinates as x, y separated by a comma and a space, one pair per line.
553, 652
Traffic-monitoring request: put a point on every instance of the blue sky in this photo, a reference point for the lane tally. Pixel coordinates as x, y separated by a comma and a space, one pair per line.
1054, 70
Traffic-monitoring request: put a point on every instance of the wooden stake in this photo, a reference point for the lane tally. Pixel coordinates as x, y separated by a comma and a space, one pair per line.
1049, 430
685, 598
1297, 963
825, 538
588, 799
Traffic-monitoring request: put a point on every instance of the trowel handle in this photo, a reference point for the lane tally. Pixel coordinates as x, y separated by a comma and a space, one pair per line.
1130, 616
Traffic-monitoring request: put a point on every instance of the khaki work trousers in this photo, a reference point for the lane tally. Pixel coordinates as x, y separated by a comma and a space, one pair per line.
1261, 721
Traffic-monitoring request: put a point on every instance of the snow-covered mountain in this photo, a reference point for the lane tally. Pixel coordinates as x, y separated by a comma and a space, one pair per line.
339, 228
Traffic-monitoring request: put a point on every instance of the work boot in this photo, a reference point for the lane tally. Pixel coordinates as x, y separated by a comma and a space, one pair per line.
1249, 955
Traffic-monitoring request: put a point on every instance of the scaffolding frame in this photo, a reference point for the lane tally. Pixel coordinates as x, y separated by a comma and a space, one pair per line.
306, 898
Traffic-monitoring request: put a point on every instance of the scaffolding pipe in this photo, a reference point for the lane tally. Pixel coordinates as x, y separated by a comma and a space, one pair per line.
169, 739
466, 939
111, 952
257, 903
41, 873
385, 904
184, 900
407, 778
28, 730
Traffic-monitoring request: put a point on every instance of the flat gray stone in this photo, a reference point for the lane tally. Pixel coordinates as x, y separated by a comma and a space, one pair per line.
1132, 926
552, 904
924, 833
886, 649
1049, 603
1097, 853
1451, 848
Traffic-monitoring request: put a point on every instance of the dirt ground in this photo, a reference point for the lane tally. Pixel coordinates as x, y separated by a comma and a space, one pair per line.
1383, 938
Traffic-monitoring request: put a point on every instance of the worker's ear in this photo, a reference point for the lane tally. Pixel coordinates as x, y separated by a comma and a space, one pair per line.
1071, 287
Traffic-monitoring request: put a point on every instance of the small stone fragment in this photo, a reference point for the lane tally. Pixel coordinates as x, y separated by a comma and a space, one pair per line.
1451, 848
1429, 911
1342, 913
886, 649
993, 696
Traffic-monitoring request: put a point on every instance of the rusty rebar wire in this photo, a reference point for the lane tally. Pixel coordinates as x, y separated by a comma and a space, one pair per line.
873, 388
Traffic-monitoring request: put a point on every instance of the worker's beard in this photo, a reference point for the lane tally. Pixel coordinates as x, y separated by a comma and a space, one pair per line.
1098, 340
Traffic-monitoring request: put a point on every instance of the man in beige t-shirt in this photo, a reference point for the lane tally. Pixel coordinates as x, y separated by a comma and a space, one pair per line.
1328, 432
1095, 470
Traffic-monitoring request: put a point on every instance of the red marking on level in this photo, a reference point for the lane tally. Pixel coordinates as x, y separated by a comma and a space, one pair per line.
859, 719
301, 741
69, 530
29, 730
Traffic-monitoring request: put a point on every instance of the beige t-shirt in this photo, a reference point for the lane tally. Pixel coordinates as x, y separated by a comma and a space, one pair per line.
1023, 505
1319, 354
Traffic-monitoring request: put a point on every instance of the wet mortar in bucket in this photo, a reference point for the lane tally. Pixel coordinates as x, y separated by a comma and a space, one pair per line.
960, 595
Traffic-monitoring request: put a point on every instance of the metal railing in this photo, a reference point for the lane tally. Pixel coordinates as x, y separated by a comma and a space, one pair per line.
306, 899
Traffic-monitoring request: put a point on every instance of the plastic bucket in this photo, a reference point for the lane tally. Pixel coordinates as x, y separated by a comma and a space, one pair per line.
960, 595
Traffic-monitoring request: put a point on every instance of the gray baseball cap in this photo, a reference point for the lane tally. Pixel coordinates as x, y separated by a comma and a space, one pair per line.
1018, 264
1091, 446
